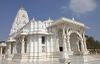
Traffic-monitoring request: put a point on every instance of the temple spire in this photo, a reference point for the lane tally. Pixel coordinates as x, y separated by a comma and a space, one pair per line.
21, 19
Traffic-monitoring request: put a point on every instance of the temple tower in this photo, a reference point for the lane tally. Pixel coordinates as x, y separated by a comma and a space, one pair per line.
21, 19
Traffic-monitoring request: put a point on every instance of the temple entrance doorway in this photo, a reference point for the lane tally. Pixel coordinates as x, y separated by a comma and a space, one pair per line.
75, 44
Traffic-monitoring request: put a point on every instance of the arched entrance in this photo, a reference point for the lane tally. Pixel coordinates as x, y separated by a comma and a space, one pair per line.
75, 43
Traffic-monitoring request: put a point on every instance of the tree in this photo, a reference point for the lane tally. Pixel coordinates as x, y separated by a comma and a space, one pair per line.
92, 43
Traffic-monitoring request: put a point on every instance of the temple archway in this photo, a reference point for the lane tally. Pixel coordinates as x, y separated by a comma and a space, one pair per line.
75, 43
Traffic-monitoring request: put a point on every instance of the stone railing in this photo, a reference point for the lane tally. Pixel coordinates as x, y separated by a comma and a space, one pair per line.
94, 51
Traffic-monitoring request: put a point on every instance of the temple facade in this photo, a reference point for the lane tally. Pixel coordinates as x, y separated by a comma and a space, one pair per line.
50, 41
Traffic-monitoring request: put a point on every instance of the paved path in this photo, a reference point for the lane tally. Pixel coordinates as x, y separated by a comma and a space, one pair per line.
96, 60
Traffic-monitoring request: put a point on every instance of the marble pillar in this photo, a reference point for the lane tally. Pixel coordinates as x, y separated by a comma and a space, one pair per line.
64, 43
1, 51
69, 46
23, 43
82, 46
85, 46
9, 48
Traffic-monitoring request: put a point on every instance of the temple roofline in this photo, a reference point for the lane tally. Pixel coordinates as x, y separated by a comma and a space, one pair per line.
66, 20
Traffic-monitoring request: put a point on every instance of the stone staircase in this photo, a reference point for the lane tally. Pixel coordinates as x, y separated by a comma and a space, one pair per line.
86, 59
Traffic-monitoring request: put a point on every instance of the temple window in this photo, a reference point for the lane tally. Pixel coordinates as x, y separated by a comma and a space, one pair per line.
43, 40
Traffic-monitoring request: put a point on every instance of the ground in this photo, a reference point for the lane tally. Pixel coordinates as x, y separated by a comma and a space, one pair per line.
95, 59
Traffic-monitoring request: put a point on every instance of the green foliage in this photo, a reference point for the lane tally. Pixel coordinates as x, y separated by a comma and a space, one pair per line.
92, 43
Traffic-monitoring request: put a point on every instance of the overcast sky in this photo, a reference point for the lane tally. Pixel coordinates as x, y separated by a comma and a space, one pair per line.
85, 11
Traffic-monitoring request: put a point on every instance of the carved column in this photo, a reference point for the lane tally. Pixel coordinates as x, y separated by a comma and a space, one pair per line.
9, 48
84, 40
68, 41
82, 46
85, 46
64, 43
57, 43
57, 39
1, 51
14, 47
13, 43
78, 44
23, 43
31, 45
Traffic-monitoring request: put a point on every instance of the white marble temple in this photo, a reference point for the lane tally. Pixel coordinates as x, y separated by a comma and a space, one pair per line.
50, 41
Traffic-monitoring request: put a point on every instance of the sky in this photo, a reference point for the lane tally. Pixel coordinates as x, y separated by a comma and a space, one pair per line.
84, 11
